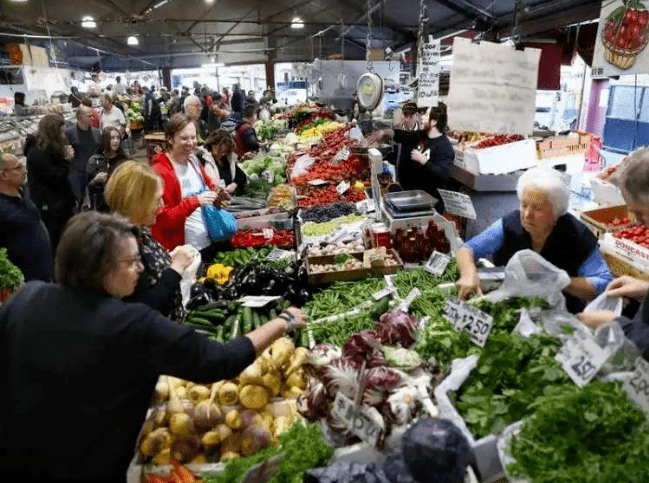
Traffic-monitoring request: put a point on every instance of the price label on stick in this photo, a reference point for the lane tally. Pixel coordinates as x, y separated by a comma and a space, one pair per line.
405, 304
342, 155
581, 358
437, 263
638, 386
342, 187
466, 317
382, 293
356, 420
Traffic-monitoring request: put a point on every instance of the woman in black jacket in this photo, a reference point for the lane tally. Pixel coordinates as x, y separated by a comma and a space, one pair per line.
225, 171
101, 166
49, 155
426, 154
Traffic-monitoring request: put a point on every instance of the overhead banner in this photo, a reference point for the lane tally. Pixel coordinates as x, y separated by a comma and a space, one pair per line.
428, 71
622, 36
493, 87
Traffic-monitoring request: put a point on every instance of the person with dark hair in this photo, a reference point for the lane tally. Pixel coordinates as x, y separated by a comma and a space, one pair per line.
102, 165
96, 118
237, 100
219, 149
75, 97
112, 116
216, 113
427, 154
49, 155
23, 232
80, 364
20, 109
245, 137
120, 88
187, 188
84, 139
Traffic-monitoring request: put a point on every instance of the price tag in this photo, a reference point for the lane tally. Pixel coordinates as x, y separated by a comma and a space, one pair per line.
366, 206
257, 301
389, 282
356, 420
437, 263
581, 358
458, 204
318, 182
638, 386
276, 255
342, 187
263, 472
423, 322
268, 176
405, 304
382, 293
473, 321
342, 155
268, 233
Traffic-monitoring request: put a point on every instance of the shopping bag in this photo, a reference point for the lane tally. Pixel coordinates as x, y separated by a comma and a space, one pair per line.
220, 224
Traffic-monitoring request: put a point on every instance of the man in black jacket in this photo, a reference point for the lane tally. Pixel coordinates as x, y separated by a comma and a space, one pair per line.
23, 232
85, 141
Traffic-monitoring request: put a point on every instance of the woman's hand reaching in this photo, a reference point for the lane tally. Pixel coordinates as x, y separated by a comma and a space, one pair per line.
207, 198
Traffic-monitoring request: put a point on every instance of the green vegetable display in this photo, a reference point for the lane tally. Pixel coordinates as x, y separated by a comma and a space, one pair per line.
259, 165
583, 435
341, 297
242, 256
511, 374
10, 275
311, 228
338, 332
303, 448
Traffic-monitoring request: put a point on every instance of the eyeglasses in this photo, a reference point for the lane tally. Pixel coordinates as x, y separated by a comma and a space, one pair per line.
133, 262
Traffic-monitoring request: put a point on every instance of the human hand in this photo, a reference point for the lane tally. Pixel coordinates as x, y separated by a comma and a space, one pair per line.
418, 157
627, 286
181, 257
223, 199
231, 188
468, 285
206, 198
248, 155
298, 315
101, 178
597, 318
377, 136
69, 152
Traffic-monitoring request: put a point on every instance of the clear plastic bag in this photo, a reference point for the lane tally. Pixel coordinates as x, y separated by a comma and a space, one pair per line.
189, 275
528, 274
604, 302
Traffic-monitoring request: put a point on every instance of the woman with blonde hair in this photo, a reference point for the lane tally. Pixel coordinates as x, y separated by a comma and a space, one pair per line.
135, 191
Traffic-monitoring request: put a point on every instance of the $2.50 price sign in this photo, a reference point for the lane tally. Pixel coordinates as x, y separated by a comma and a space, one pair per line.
581, 358
466, 317
356, 420
638, 386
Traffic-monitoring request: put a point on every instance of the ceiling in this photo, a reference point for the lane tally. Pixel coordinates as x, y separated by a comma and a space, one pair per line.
182, 33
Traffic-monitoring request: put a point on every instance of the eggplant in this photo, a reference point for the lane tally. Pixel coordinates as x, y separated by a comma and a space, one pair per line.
197, 288
198, 301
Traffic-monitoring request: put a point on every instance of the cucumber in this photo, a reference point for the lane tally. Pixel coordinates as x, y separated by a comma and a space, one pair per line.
235, 329
233, 306
256, 320
272, 314
304, 338
229, 322
219, 333
199, 321
246, 319
285, 304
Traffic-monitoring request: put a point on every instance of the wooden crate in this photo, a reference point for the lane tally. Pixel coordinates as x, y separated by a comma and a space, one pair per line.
328, 277
620, 267
596, 220
392, 269
155, 143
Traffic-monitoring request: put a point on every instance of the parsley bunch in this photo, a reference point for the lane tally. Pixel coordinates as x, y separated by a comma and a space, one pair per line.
583, 435
10, 275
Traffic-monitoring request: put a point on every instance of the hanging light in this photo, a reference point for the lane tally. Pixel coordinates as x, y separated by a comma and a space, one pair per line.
209, 1
88, 22
132, 40
19, 1
297, 23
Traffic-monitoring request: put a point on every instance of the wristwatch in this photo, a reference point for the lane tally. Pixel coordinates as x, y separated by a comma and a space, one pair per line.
292, 324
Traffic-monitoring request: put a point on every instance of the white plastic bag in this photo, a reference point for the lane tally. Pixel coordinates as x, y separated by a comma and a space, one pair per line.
528, 274
604, 302
189, 275
302, 165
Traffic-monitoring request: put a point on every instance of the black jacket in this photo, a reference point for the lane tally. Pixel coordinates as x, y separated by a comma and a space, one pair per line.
226, 176
431, 176
637, 330
567, 247
48, 183
237, 102
77, 372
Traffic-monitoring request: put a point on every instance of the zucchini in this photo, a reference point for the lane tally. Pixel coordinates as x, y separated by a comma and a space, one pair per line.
256, 320
272, 314
220, 330
198, 321
304, 338
246, 319
235, 329
229, 322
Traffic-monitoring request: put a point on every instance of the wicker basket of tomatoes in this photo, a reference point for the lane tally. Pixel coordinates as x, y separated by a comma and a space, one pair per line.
625, 34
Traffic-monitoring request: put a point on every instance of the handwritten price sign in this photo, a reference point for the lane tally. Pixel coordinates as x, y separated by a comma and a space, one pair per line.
356, 420
638, 386
581, 358
437, 264
466, 317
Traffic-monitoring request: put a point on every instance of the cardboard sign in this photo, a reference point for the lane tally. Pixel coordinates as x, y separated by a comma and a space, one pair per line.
581, 358
342, 187
437, 263
493, 87
638, 386
356, 420
428, 72
276, 255
458, 204
468, 318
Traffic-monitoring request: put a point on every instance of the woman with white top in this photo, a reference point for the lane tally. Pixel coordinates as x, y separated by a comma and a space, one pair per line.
187, 188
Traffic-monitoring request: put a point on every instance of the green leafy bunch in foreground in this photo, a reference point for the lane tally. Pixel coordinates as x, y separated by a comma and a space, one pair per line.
590, 434
10, 275
303, 447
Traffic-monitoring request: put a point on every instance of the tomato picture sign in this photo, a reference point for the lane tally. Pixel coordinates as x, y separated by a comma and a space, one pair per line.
622, 37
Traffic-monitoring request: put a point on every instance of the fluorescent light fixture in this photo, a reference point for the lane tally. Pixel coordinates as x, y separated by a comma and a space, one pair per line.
88, 22
132, 40
18, 1
297, 23
213, 64
209, 1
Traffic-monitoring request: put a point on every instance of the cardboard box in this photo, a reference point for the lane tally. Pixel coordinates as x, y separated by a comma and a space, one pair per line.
501, 159
635, 255
597, 220
605, 193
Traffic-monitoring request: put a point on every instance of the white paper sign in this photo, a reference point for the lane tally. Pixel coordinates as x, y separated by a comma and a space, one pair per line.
342, 155
493, 87
405, 304
317, 182
277, 255
366, 206
268, 233
466, 317
581, 358
356, 420
268, 176
428, 72
257, 301
458, 204
437, 263
342, 187
638, 386
389, 282
382, 293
